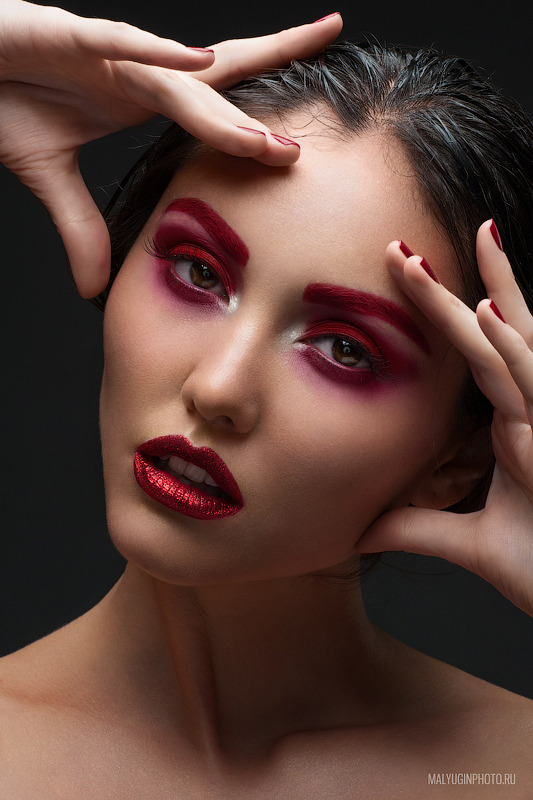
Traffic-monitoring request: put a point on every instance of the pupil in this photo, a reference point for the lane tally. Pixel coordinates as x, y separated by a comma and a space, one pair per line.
202, 275
345, 352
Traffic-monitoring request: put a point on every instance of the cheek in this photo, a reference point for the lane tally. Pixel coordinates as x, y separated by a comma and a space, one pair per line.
324, 461
143, 335
350, 385
350, 455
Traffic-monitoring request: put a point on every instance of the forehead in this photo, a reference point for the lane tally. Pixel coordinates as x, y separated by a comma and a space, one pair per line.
344, 199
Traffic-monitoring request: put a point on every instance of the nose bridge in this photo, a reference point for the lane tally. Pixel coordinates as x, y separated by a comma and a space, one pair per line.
235, 350
223, 385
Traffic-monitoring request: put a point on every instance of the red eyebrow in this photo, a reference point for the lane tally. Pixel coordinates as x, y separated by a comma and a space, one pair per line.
358, 302
214, 225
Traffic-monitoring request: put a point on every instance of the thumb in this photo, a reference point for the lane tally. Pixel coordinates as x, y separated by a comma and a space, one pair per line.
424, 531
78, 221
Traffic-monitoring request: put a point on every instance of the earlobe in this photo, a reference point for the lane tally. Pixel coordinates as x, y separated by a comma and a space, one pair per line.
458, 471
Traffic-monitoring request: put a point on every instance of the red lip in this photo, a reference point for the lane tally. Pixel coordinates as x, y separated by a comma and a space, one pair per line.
172, 493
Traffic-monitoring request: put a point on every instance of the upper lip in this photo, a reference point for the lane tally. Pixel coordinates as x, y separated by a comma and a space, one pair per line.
203, 457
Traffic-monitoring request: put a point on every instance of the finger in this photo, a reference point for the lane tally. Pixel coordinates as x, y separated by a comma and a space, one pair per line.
500, 282
425, 531
453, 317
238, 58
278, 150
79, 224
459, 324
207, 116
512, 348
118, 41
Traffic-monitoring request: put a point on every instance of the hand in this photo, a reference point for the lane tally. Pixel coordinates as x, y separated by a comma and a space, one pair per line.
496, 542
65, 80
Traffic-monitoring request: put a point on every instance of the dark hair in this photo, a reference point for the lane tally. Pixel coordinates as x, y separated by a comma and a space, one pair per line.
470, 149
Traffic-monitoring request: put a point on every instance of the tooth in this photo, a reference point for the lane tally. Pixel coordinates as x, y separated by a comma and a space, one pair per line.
177, 464
195, 473
209, 480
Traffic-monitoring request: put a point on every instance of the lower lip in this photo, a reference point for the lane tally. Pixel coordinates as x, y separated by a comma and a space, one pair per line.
172, 493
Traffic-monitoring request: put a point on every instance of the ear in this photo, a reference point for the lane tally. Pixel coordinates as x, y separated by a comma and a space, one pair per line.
458, 470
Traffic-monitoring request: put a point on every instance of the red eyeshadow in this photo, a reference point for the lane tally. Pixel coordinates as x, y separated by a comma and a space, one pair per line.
353, 301
214, 225
190, 227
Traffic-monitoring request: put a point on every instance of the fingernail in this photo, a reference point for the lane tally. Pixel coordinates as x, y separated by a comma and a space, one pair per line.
251, 130
283, 140
496, 234
328, 16
424, 264
496, 310
201, 49
405, 250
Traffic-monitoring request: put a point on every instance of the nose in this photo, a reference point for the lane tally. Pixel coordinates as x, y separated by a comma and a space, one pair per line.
222, 387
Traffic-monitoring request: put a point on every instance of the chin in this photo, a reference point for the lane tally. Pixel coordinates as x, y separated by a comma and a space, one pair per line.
182, 551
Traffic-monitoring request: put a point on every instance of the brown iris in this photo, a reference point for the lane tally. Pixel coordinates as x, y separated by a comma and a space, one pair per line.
202, 276
345, 352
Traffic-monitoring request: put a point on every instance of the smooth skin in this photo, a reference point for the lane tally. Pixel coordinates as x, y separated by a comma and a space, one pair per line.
213, 669
496, 542
279, 687
65, 80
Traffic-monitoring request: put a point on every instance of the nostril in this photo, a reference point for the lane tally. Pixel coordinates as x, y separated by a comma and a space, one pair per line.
219, 401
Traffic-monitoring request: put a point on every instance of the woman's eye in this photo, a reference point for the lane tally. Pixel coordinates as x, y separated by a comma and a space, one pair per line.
344, 351
198, 273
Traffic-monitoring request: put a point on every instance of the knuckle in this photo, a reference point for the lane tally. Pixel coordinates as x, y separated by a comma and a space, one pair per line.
227, 44
120, 29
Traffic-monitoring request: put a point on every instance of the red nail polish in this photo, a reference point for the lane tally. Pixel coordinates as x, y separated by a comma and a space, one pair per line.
496, 310
250, 130
424, 264
496, 234
201, 49
328, 16
283, 140
405, 250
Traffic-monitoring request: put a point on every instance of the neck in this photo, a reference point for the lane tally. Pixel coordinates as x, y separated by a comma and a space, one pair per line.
244, 664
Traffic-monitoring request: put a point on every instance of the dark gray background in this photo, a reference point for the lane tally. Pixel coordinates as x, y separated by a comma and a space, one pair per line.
55, 558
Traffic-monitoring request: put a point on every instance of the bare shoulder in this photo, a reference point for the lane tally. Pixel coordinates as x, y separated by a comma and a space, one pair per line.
440, 724
503, 723
25, 718
28, 693
486, 721
476, 749
48, 723
42, 708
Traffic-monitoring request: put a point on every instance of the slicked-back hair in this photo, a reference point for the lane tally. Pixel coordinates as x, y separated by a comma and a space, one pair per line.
470, 149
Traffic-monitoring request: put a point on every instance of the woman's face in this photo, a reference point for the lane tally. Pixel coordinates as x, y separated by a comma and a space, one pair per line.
262, 322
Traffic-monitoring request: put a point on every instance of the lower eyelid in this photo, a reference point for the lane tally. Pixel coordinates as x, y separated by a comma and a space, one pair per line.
167, 258
368, 347
188, 260
188, 291
366, 367
365, 353
333, 372
224, 275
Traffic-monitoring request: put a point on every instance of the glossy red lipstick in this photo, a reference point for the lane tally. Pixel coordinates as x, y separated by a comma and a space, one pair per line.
168, 489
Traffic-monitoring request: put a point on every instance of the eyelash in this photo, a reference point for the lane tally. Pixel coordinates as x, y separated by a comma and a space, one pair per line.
194, 254
378, 365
